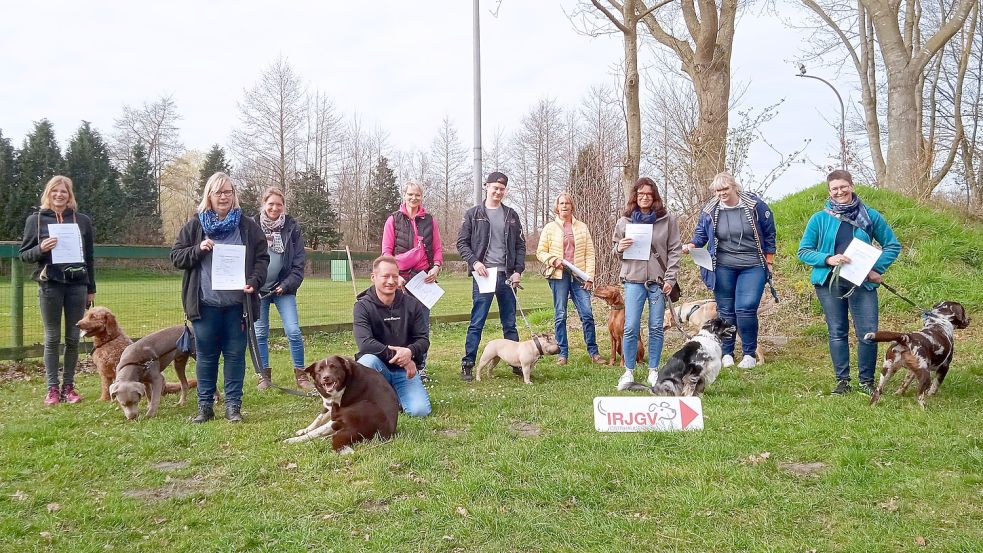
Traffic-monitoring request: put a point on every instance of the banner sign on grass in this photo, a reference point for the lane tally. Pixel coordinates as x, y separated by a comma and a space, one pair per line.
647, 414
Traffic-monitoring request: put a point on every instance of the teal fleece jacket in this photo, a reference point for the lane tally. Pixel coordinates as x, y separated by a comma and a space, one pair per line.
817, 244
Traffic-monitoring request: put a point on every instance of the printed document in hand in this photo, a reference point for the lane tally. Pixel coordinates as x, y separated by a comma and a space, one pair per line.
427, 292
69, 246
486, 284
641, 248
862, 256
228, 267
702, 258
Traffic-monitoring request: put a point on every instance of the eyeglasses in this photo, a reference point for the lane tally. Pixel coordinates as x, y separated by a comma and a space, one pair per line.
718, 190
223, 193
645, 195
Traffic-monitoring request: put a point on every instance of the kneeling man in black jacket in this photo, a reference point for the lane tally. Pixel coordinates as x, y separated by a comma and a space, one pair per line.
391, 334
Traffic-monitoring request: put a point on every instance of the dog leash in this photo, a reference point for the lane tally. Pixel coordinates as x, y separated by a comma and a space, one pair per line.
675, 321
925, 313
521, 312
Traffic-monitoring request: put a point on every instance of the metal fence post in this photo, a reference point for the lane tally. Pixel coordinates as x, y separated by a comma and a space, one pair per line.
17, 305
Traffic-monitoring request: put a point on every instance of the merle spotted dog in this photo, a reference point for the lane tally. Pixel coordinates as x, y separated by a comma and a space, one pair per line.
924, 353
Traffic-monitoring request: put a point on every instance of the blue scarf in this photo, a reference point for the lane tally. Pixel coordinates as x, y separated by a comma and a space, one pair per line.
646, 218
854, 213
216, 229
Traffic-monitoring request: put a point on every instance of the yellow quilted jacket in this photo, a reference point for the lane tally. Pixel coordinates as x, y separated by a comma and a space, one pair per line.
551, 246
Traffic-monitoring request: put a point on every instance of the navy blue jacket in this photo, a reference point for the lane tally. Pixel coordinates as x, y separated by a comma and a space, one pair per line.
761, 218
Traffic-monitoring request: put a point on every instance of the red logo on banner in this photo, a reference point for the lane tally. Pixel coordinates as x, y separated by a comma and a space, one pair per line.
687, 414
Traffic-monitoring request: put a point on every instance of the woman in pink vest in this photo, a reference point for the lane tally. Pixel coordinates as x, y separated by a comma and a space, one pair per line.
412, 236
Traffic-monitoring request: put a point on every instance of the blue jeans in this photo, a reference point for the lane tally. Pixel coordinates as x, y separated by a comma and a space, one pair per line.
738, 294
410, 391
567, 287
479, 312
862, 305
220, 330
57, 300
636, 296
287, 306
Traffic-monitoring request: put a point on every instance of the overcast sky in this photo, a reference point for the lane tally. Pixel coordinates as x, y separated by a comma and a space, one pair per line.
398, 64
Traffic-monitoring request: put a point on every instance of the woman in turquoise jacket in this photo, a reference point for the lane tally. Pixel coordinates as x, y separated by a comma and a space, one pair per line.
829, 232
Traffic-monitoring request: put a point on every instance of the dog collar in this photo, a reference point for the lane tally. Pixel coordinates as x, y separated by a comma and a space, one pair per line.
539, 346
614, 308
692, 310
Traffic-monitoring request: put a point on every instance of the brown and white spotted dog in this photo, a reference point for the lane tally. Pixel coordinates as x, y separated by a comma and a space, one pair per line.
924, 353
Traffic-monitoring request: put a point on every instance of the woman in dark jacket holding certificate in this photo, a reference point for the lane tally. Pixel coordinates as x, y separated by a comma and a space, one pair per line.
63, 288
828, 234
217, 314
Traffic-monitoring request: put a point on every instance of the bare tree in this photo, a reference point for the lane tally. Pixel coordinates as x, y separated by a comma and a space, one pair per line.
539, 142
323, 144
893, 41
154, 125
272, 117
450, 175
179, 192
970, 173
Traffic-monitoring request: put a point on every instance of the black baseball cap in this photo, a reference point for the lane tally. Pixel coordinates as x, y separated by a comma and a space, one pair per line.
495, 176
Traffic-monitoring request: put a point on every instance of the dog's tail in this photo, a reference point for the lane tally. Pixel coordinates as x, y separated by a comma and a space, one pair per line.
175, 387
887, 336
636, 387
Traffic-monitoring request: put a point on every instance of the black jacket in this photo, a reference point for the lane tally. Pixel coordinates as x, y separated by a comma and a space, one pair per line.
378, 326
30, 248
186, 254
472, 239
294, 256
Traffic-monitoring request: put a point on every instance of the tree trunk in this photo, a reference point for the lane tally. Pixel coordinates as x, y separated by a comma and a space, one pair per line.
712, 86
907, 171
633, 112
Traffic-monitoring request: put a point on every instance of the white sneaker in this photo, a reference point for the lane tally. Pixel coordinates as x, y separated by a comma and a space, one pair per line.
653, 377
748, 362
625, 381
727, 361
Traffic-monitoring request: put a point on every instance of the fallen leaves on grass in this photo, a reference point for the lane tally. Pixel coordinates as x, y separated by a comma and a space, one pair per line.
19, 496
288, 466
891, 505
375, 506
526, 429
462, 511
758, 459
920, 541
52, 507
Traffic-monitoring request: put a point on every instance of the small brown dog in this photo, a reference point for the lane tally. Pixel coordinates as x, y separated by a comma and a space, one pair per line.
108, 341
357, 404
615, 299
518, 354
140, 369
925, 353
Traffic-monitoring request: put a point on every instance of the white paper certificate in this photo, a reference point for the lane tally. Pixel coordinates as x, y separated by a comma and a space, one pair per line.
641, 248
427, 292
486, 284
862, 256
702, 258
69, 246
228, 267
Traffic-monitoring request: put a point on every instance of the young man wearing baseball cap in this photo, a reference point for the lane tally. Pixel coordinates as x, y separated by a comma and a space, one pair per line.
491, 239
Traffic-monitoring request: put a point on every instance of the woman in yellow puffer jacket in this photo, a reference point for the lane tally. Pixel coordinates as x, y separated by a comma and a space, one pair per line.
568, 239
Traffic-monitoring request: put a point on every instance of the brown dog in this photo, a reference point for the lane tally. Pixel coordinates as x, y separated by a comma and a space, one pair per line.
357, 404
613, 296
108, 343
924, 353
139, 372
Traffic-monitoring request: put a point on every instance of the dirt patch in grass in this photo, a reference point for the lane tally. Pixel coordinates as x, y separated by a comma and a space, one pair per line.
803, 469
451, 432
168, 466
375, 506
526, 429
14, 371
173, 488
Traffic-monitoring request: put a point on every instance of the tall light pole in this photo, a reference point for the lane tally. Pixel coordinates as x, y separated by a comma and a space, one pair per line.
477, 104
802, 73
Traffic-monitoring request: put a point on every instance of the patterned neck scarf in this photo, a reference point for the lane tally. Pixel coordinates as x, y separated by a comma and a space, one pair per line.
648, 218
854, 212
272, 228
219, 229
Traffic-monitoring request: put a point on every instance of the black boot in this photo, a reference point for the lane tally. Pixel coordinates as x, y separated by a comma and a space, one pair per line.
205, 413
467, 368
233, 413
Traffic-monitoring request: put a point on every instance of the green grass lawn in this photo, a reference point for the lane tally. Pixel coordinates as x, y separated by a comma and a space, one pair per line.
500, 466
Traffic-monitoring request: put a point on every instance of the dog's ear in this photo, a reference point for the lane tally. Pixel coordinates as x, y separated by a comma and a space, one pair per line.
112, 327
310, 369
348, 365
143, 388
112, 390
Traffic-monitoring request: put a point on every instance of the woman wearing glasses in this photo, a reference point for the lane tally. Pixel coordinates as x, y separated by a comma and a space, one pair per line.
738, 230
217, 315
646, 280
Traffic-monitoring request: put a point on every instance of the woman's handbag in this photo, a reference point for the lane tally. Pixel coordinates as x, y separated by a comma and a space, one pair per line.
186, 342
412, 258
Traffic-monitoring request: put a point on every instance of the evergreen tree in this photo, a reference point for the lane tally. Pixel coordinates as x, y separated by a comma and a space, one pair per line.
39, 159
8, 177
312, 208
383, 198
214, 162
95, 181
142, 224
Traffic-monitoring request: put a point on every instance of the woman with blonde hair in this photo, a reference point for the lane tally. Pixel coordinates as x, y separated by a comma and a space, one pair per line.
63, 288
567, 238
285, 244
217, 314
